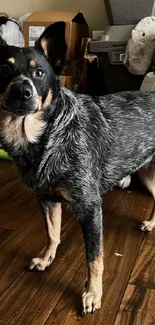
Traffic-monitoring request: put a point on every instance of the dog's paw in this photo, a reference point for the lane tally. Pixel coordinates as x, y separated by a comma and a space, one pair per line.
39, 264
146, 226
90, 302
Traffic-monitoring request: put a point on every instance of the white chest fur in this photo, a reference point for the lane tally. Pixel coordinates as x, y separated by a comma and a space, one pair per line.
19, 130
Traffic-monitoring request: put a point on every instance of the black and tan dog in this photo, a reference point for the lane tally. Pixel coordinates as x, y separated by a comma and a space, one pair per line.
70, 147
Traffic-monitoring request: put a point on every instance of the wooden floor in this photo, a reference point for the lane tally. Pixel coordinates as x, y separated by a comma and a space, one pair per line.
53, 297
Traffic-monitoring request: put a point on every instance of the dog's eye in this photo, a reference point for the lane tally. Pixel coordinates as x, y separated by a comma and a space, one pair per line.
38, 73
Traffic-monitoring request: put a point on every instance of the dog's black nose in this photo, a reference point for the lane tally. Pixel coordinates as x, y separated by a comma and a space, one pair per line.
21, 90
27, 93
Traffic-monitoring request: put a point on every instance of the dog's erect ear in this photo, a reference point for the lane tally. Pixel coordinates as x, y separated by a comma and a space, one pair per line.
2, 42
52, 43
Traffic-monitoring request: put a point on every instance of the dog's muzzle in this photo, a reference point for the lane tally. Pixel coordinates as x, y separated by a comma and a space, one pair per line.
20, 97
21, 90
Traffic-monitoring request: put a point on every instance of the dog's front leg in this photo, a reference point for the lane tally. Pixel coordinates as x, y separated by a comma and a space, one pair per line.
92, 232
52, 214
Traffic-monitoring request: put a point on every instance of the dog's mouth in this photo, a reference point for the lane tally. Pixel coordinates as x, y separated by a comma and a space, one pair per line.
20, 108
13, 101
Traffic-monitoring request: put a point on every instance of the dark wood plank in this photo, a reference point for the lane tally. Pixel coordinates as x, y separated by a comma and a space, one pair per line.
12, 191
17, 251
34, 295
143, 273
16, 203
122, 237
4, 234
8, 170
137, 307
67, 311
14, 216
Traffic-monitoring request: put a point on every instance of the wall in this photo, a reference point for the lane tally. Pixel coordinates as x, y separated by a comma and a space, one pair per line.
93, 10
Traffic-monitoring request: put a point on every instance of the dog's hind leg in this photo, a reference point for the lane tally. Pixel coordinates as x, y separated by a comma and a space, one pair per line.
91, 223
52, 214
147, 177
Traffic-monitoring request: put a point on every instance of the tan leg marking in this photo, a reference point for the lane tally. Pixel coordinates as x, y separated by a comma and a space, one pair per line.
91, 299
53, 221
147, 177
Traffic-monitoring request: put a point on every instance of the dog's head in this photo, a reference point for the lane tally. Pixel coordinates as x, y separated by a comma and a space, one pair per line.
28, 75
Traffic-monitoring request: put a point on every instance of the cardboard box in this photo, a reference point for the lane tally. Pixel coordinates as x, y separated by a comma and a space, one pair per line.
71, 68
67, 81
76, 29
82, 75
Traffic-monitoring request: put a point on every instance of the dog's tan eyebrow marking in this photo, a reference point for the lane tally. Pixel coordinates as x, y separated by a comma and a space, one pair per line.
11, 60
33, 64
44, 44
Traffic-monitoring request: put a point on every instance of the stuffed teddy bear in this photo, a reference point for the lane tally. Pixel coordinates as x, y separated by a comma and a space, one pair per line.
140, 49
